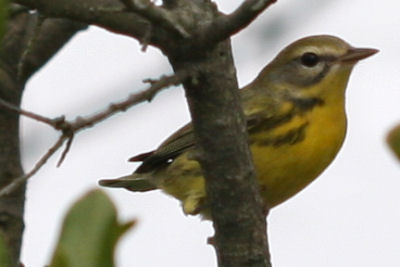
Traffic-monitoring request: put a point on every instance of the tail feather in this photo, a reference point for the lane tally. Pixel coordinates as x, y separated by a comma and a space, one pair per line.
130, 182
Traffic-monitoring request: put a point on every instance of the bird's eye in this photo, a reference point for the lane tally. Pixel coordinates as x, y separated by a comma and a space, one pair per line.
309, 59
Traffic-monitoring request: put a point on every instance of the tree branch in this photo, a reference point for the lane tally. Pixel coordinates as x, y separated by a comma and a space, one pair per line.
23, 178
70, 128
225, 26
26, 113
233, 196
13, 45
147, 95
117, 16
109, 14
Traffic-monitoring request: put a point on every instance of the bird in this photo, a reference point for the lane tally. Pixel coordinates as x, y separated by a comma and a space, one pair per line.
296, 124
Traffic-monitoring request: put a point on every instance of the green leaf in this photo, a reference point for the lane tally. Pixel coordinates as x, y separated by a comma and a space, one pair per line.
3, 16
89, 234
393, 139
4, 256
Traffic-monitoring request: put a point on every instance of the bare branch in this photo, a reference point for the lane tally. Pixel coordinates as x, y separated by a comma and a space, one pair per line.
113, 15
27, 113
20, 180
227, 25
70, 128
133, 99
133, 18
66, 150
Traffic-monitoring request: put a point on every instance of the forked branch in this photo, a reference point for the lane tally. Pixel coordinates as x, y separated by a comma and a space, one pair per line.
70, 128
225, 26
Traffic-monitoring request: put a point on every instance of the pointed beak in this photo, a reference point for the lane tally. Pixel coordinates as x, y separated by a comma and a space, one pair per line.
353, 55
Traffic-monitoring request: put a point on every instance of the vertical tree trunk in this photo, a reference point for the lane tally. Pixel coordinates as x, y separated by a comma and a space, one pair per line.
53, 34
12, 205
239, 220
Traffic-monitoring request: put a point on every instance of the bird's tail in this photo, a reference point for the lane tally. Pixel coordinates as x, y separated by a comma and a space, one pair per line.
130, 182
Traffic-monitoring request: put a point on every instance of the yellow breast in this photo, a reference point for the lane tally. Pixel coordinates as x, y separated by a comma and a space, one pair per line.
312, 142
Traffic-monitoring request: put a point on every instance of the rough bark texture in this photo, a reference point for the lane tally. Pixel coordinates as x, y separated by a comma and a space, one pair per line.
232, 190
11, 206
54, 34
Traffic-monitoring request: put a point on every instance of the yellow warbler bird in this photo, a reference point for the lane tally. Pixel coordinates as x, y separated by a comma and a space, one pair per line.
296, 124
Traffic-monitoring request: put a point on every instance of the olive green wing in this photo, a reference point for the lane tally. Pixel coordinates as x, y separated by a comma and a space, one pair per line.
261, 108
181, 141
257, 109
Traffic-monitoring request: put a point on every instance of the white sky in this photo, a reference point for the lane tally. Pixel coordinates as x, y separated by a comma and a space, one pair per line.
349, 217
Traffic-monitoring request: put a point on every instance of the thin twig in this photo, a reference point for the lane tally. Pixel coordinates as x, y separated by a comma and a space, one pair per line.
227, 25
70, 128
66, 150
132, 99
145, 41
28, 114
19, 180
